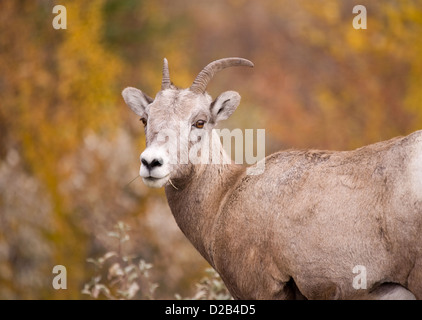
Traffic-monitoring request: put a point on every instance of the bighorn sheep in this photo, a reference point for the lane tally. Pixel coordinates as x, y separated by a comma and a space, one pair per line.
299, 229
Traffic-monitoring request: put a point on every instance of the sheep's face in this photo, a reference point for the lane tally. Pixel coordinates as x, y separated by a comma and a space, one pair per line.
178, 129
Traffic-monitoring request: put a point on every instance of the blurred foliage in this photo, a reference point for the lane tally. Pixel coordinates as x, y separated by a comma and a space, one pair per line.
210, 287
69, 147
127, 276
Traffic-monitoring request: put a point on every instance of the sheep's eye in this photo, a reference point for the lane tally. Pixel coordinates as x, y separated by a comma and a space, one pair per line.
144, 121
199, 124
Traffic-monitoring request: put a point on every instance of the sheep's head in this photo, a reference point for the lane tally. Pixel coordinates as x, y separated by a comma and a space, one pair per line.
178, 122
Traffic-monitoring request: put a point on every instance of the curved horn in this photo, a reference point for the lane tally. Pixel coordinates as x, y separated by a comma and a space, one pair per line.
201, 81
165, 83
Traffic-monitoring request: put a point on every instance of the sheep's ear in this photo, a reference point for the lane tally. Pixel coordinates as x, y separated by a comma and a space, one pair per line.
224, 105
136, 100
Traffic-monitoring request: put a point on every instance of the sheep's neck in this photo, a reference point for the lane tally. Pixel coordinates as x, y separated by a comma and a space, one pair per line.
198, 199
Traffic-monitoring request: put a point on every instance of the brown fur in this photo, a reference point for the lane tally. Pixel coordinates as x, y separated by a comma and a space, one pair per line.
298, 229
308, 220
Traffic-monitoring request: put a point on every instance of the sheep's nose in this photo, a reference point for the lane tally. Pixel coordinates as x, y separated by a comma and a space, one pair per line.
152, 164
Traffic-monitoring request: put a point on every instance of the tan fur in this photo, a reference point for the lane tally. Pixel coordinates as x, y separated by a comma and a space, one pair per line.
297, 230
311, 217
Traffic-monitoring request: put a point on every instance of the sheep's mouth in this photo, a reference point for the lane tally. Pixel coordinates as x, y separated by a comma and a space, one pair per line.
155, 182
151, 178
